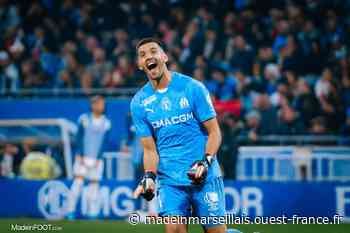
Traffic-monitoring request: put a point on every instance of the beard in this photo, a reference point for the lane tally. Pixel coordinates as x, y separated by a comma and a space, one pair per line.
157, 73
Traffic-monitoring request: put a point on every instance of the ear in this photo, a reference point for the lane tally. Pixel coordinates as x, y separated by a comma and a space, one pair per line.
138, 64
165, 57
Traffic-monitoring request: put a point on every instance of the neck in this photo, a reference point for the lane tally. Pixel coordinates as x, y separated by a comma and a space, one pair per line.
163, 81
97, 115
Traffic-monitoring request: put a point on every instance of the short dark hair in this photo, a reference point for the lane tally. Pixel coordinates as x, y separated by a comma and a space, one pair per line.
96, 98
149, 40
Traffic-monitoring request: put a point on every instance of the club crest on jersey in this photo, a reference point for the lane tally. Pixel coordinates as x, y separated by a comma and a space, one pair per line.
165, 104
184, 102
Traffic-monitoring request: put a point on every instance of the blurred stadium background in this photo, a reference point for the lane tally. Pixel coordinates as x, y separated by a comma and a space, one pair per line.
278, 73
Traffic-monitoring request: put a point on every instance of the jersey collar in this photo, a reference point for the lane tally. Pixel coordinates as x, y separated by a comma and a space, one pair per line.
165, 90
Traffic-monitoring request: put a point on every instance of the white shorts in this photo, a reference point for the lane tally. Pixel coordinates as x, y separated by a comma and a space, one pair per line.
88, 169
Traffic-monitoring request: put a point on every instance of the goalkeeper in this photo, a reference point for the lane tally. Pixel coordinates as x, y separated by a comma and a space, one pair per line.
175, 118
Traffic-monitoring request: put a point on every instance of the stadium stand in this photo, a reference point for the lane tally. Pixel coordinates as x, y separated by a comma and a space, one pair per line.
288, 60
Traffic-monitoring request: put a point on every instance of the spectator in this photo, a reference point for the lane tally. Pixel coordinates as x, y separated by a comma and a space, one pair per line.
242, 83
8, 161
121, 75
231, 128
201, 63
271, 74
307, 36
318, 126
86, 81
199, 75
220, 86
17, 52
74, 68
265, 56
315, 60
242, 57
211, 44
332, 108
289, 122
119, 44
306, 103
88, 44
33, 77
281, 30
282, 92
192, 45
167, 34
65, 80
323, 86
9, 16
267, 114
292, 81
100, 67
253, 128
9, 74
291, 56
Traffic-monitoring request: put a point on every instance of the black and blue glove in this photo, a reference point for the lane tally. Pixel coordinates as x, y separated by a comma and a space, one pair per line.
199, 170
146, 187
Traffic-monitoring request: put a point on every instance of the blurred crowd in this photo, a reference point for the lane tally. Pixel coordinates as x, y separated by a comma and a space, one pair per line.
286, 62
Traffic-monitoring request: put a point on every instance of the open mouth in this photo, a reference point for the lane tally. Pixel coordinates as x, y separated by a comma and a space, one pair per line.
151, 65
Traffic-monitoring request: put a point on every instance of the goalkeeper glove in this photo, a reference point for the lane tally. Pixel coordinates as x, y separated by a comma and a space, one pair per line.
199, 170
146, 187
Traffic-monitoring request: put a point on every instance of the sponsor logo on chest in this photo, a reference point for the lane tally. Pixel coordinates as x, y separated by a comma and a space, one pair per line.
172, 120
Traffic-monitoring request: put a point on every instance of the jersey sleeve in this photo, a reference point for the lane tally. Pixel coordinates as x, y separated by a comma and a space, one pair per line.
107, 142
202, 104
143, 128
80, 135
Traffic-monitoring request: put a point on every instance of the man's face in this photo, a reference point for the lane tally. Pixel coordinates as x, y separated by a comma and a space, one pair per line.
99, 55
253, 122
151, 59
98, 106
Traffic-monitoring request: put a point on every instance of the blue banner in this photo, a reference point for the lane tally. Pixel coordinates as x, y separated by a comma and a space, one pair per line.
49, 199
